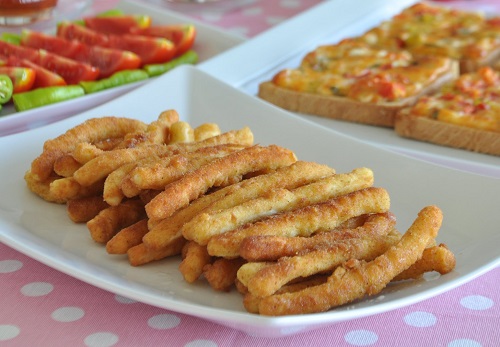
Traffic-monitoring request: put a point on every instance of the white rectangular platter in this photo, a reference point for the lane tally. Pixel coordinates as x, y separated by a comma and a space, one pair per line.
286, 44
43, 230
210, 42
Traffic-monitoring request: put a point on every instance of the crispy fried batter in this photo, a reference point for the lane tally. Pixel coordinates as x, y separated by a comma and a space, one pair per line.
66, 165
127, 237
92, 130
436, 258
180, 193
206, 225
195, 257
114, 218
297, 174
304, 221
270, 278
140, 254
271, 247
82, 210
355, 278
221, 274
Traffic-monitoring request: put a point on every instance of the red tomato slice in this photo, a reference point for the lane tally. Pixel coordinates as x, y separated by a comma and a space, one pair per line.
151, 50
72, 71
22, 78
107, 60
44, 77
117, 25
182, 35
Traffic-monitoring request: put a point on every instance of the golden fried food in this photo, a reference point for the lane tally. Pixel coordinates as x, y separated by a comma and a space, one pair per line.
127, 237
206, 225
180, 193
221, 274
304, 221
194, 258
92, 130
82, 210
292, 236
140, 254
357, 278
271, 247
437, 258
291, 176
114, 218
272, 277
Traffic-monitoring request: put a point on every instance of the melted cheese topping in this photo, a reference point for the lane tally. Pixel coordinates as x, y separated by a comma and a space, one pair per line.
424, 29
360, 72
472, 100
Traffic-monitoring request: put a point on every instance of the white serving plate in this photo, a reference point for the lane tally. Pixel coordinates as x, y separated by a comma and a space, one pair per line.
43, 231
328, 23
210, 41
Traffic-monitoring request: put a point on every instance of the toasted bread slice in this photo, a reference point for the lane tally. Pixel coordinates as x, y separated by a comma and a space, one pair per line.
447, 134
344, 108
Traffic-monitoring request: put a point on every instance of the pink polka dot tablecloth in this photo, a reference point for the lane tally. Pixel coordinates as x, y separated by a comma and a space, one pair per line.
40, 306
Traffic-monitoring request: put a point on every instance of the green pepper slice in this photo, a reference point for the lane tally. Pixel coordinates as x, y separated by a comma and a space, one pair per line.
190, 57
46, 96
117, 79
6, 89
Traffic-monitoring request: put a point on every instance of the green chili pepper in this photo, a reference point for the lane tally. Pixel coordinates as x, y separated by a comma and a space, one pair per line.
13, 38
45, 96
6, 88
117, 79
190, 57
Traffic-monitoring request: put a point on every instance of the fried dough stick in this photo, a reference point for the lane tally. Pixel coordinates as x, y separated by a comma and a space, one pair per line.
221, 274
436, 258
303, 221
206, 225
107, 162
271, 278
356, 279
158, 173
127, 237
140, 254
92, 130
271, 248
180, 193
84, 209
114, 218
195, 257
291, 176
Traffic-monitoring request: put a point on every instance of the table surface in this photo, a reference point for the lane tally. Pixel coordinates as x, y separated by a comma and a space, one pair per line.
43, 307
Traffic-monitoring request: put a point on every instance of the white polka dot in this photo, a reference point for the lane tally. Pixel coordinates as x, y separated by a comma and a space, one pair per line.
164, 321
289, 3
37, 289
420, 319
7, 266
101, 339
464, 343
124, 300
361, 337
8, 332
67, 314
476, 302
201, 343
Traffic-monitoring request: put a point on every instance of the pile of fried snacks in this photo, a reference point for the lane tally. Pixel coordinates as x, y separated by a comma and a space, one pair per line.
292, 236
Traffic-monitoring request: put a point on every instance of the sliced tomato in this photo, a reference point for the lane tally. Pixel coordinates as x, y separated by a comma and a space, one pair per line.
107, 60
182, 35
22, 78
44, 77
151, 50
117, 25
72, 71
